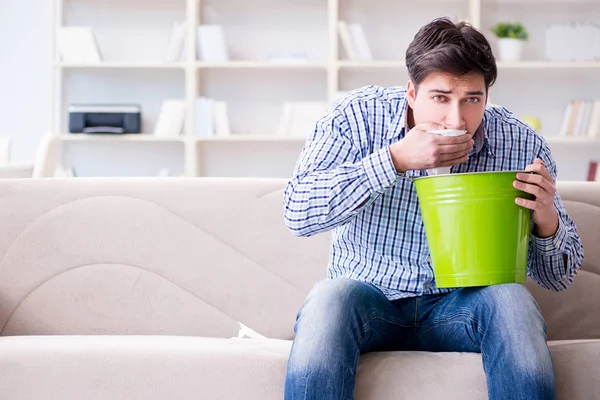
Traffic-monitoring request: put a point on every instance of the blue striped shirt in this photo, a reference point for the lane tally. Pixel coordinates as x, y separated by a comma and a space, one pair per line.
345, 180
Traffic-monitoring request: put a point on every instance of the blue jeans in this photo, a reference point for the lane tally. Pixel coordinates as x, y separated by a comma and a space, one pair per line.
349, 317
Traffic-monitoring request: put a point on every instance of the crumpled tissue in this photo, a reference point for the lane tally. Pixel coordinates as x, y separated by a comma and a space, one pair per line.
444, 132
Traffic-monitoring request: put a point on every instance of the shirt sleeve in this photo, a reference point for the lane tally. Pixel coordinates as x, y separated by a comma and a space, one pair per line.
332, 181
554, 261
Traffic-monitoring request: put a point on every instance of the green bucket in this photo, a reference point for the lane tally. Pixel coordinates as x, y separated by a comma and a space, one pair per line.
477, 234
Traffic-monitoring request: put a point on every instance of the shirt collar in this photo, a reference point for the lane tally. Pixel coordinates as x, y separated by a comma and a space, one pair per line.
399, 126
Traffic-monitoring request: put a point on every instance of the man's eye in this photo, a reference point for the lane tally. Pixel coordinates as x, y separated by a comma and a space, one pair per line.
473, 99
439, 98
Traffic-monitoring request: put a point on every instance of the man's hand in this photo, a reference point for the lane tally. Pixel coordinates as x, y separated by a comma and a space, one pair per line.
541, 185
422, 150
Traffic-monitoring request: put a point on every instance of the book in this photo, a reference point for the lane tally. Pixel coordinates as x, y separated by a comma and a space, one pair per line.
212, 117
594, 125
359, 42
77, 44
344, 34
176, 45
171, 118
221, 119
564, 125
354, 41
288, 57
593, 173
298, 119
204, 116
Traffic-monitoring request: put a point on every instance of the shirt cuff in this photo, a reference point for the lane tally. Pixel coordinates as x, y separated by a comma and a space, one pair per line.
553, 245
380, 170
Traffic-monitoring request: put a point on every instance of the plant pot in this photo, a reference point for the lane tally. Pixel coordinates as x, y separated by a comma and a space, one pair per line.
510, 49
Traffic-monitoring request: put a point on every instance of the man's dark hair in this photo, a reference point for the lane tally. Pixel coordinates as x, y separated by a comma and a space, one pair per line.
458, 49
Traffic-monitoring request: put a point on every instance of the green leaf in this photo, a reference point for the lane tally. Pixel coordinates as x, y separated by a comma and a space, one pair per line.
510, 30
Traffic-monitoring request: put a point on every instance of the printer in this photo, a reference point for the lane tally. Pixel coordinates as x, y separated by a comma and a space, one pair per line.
104, 118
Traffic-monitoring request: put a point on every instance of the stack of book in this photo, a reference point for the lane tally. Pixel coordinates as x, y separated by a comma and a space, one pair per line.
581, 118
212, 117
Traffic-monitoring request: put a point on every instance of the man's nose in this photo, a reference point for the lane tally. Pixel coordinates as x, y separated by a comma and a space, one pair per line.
454, 119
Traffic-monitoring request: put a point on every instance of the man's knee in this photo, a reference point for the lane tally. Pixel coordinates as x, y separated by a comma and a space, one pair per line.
330, 316
512, 307
517, 327
333, 300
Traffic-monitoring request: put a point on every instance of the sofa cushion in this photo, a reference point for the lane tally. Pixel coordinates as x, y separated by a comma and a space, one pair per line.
161, 367
570, 314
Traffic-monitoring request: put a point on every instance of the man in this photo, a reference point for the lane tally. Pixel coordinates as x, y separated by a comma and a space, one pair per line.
353, 177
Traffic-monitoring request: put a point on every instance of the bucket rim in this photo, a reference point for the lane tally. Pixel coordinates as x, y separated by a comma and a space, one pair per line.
516, 171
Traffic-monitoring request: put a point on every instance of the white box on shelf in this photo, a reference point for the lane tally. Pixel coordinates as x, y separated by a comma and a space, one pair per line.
572, 42
211, 45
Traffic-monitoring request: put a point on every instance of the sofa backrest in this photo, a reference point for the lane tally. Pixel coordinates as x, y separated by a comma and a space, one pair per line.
194, 257
151, 256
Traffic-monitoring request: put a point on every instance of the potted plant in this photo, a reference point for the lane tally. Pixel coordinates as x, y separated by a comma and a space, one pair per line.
511, 37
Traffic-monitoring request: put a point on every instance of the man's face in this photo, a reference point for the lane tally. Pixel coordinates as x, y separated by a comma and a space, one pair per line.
456, 102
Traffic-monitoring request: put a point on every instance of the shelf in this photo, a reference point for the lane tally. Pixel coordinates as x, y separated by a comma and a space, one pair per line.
238, 137
255, 87
147, 137
572, 140
501, 64
118, 64
261, 65
538, 2
371, 64
131, 137
251, 138
547, 64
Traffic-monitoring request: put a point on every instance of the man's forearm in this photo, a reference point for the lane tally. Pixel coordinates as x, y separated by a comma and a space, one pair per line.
321, 200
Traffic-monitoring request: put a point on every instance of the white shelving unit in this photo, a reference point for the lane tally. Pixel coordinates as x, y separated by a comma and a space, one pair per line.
132, 36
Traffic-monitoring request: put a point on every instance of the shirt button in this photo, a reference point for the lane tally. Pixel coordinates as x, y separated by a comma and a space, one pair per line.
428, 259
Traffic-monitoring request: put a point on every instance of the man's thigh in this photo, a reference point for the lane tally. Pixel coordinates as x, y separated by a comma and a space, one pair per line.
458, 320
341, 308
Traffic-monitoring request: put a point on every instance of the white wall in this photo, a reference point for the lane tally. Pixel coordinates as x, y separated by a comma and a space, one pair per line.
25, 74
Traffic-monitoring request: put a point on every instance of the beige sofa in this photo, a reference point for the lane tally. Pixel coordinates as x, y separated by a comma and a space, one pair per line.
133, 289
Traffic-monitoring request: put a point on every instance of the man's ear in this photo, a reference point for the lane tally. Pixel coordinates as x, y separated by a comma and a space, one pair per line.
411, 93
